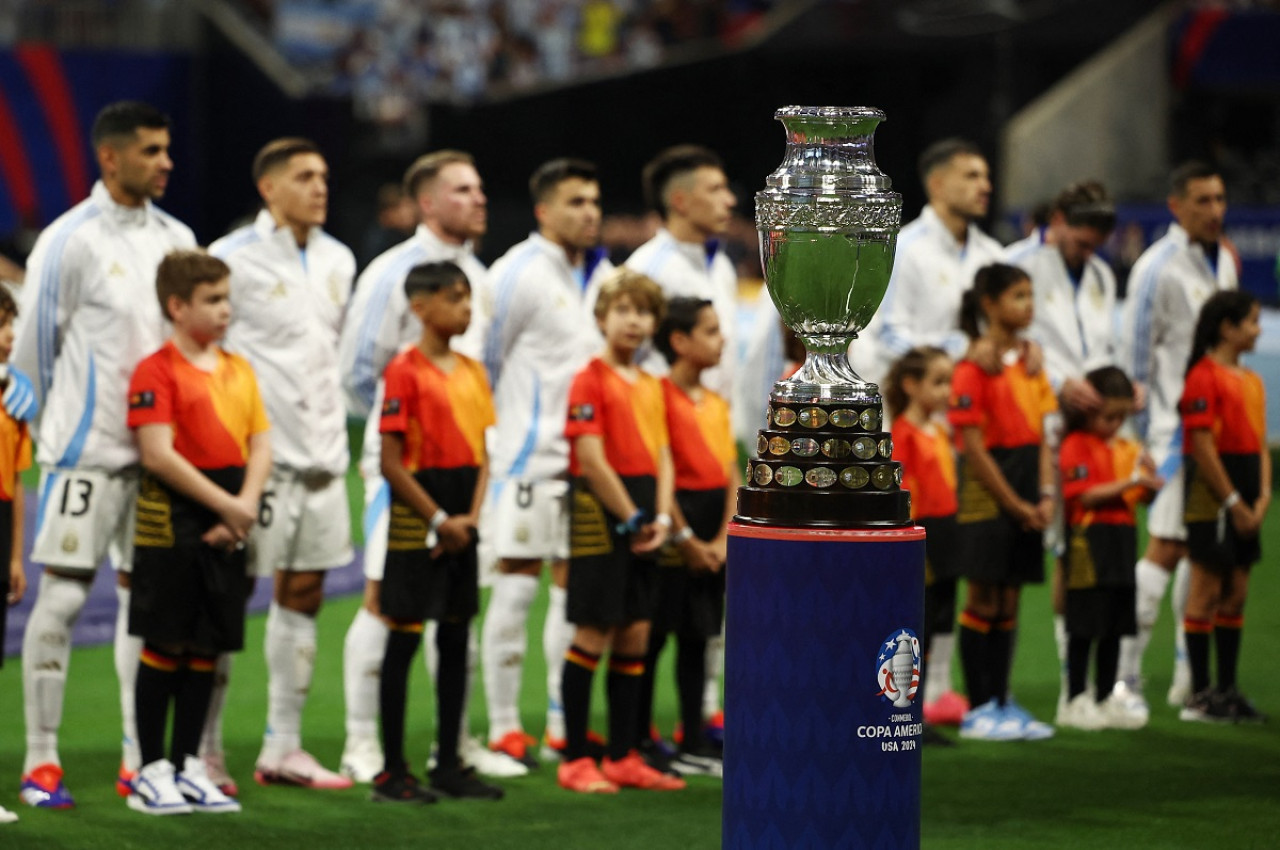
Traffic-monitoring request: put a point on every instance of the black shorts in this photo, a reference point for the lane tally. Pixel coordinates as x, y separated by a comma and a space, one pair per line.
1099, 612
416, 586
1100, 555
692, 603
992, 546
183, 591
608, 585
1212, 541
940, 556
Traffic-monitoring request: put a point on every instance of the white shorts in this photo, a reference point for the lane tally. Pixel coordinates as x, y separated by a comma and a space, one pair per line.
1055, 534
85, 515
302, 525
1165, 514
527, 520
377, 521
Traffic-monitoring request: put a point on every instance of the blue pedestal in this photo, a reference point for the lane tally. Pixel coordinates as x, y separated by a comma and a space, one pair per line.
822, 662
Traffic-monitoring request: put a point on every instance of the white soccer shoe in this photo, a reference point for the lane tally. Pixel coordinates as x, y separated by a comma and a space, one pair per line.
487, 762
1125, 707
362, 759
201, 791
1081, 712
155, 793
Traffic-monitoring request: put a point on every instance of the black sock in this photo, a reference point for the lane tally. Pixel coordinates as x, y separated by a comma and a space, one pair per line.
1197, 633
623, 688
1077, 664
157, 675
451, 690
1106, 662
575, 695
1001, 641
691, 679
975, 633
1226, 639
191, 707
644, 699
393, 691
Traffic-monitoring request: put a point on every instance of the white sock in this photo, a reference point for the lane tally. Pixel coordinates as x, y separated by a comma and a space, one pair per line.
211, 736
503, 644
938, 671
1061, 640
128, 649
290, 645
473, 664
557, 637
1152, 579
715, 667
46, 652
1178, 601
362, 653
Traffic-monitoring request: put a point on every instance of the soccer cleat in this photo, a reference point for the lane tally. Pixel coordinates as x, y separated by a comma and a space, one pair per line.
667, 749
655, 756
516, 744
1207, 706
713, 728
552, 748
1239, 708
1081, 712
1031, 729
300, 768
400, 788
631, 772
988, 722
156, 793
947, 710
215, 765
201, 791
361, 759
703, 761
7, 816
461, 783
583, 776
44, 789
1180, 687
124, 781
1124, 708
487, 762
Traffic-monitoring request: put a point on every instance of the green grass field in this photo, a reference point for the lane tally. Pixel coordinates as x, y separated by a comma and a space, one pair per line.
1170, 785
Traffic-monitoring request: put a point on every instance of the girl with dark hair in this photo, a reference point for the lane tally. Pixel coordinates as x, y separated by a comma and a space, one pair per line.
1102, 478
1228, 492
1005, 497
916, 391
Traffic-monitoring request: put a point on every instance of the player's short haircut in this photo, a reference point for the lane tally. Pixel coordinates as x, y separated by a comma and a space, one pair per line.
643, 292
1087, 204
682, 317
941, 152
427, 168
278, 152
180, 272
1191, 170
119, 122
430, 278
669, 166
551, 174
8, 306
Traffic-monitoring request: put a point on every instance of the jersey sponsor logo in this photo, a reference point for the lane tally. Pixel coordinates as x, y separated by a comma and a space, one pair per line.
963, 402
116, 270
1078, 473
391, 407
582, 413
144, 400
279, 290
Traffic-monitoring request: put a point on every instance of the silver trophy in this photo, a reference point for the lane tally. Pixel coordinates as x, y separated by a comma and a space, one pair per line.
828, 227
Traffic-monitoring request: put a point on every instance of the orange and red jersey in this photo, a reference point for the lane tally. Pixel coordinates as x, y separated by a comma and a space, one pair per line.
1009, 407
213, 414
630, 417
702, 446
442, 417
1230, 402
15, 455
1086, 461
928, 467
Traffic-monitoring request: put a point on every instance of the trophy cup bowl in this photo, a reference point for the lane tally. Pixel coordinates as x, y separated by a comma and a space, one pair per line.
828, 225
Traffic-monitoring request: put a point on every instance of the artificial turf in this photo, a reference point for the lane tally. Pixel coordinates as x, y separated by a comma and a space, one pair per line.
1170, 785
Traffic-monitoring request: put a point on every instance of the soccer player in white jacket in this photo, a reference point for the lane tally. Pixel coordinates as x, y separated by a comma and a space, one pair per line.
541, 333
1167, 287
449, 196
290, 282
687, 186
89, 314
